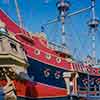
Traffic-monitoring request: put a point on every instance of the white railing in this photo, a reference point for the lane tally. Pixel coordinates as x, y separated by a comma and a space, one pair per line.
92, 91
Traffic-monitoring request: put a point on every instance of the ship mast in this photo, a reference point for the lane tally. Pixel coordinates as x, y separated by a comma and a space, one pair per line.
93, 25
63, 6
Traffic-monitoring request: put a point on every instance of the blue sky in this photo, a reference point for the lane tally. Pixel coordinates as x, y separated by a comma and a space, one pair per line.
37, 12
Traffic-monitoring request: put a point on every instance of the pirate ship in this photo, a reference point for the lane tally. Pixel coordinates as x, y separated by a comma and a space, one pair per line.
32, 68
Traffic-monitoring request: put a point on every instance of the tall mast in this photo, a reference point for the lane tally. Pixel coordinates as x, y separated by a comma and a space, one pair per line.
93, 25
63, 6
18, 14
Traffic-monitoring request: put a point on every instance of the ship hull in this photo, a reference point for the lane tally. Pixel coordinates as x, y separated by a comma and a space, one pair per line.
53, 98
46, 82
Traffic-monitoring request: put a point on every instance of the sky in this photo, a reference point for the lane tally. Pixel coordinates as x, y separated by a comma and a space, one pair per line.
35, 13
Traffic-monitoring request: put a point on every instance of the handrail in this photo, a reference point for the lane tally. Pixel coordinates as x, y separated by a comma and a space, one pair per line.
84, 91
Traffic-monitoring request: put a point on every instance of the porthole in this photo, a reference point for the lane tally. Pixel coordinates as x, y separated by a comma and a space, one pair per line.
37, 52
48, 56
58, 60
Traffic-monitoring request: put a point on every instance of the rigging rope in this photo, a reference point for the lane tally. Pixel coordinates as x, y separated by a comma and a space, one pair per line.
18, 14
73, 29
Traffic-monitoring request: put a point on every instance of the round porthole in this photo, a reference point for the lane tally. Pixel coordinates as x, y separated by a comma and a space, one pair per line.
48, 56
58, 60
37, 52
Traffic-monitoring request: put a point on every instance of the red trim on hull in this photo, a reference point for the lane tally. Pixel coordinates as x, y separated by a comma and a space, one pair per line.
11, 25
49, 91
36, 90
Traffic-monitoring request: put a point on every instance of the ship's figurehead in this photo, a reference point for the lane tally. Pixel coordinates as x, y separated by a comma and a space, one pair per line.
9, 90
13, 61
